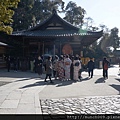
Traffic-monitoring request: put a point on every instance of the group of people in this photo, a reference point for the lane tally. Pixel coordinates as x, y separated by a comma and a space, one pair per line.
67, 68
14, 61
63, 67
105, 65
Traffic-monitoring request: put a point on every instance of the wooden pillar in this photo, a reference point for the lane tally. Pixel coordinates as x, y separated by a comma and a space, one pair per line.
43, 48
38, 47
29, 48
23, 47
60, 46
54, 49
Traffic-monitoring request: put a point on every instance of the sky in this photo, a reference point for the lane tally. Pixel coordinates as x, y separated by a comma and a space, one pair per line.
105, 12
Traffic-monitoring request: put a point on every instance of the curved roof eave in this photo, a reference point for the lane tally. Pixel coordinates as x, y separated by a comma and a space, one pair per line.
4, 44
54, 15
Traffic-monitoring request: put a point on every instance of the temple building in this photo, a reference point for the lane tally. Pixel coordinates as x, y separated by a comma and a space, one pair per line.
55, 36
3, 49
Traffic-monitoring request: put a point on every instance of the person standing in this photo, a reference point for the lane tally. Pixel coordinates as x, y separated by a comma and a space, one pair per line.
32, 65
77, 67
15, 64
44, 64
61, 68
90, 66
105, 65
49, 69
39, 63
67, 64
35, 64
55, 66
8, 63
72, 68
80, 71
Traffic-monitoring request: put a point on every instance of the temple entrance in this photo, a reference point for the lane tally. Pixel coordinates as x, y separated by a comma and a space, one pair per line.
41, 48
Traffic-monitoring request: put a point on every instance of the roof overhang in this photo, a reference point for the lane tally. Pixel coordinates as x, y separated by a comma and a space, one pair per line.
55, 33
3, 44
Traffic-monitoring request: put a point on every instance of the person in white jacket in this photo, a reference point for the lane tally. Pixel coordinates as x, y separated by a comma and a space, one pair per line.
77, 67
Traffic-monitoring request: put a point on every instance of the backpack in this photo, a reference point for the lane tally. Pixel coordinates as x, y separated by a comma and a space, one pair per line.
105, 66
77, 64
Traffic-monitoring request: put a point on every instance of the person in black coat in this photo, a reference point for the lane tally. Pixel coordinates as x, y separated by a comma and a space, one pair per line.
35, 64
105, 65
39, 64
49, 67
8, 63
15, 64
72, 68
90, 66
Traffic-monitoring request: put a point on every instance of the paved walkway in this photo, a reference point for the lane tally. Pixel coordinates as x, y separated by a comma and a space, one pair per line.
28, 94
22, 94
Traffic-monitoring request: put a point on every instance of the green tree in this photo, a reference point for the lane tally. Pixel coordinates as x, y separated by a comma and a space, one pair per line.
42, 10
110, 40
23, 17
104, 28
74, 14
115, 40
88, 22
32, 12
104, 42
6, 13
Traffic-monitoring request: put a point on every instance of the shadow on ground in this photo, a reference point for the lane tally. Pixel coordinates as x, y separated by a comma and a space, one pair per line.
117, 87
24, 79
84, 79
64, 83
100, 80
3, 83
118, 79
19, 74
40, 83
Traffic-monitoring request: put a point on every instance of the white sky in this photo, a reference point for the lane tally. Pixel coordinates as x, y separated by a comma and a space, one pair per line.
105, 12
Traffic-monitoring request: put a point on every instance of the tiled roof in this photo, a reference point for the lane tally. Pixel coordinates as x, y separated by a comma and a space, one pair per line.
55, 26
53, 33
